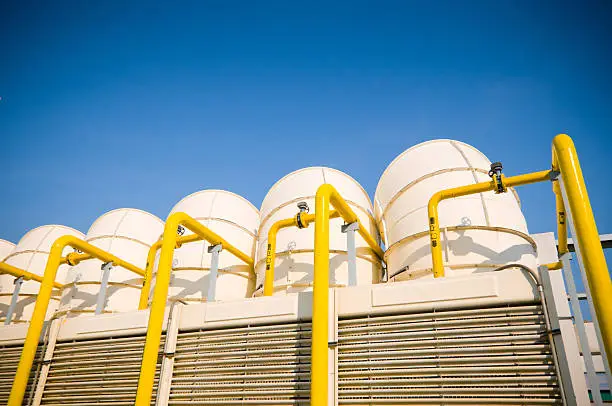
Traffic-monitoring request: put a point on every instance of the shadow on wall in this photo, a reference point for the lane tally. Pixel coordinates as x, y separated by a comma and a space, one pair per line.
22, 303
307, 270
191, 287
87, 300
465, 245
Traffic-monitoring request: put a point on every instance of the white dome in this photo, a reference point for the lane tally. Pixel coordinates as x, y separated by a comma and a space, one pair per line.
6, 247
477, 231
234, 219
295, 247
31, 254
126, 233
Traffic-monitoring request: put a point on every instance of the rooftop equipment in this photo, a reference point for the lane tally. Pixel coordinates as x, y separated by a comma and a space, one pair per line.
6, 247
479, 232
294, 249
91, 287
232, 217
31, 254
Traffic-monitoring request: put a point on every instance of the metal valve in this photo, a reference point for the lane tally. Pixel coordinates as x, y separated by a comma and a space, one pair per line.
496, 169
303, 206
496, 174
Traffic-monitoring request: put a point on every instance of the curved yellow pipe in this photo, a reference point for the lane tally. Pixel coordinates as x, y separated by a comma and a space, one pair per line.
160, 295
42, 303
20, 273
326, 195
146, 283
305, 219
432, 208
585, 234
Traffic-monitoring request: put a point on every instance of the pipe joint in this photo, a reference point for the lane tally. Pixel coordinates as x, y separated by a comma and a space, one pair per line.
72, 259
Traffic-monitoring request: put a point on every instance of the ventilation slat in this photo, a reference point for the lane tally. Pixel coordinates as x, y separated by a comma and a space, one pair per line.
94, 372
264, 365
475, 356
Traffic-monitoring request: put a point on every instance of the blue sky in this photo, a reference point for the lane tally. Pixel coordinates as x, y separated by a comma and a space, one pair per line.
137, 104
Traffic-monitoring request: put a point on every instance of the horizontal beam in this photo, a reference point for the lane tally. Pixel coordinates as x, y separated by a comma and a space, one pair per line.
605, 239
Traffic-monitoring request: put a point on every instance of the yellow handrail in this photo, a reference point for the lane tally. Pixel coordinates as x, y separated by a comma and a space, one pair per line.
20, 273
566, 165
42, 302
585, 234
146, 284
305, 220
160, 295
326, 195
432, 208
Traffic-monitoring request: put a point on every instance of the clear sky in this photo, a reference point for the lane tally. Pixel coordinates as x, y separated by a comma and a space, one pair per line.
108, 104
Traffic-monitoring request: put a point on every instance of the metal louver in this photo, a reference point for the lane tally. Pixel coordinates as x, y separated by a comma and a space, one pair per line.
484, 356
263, 365
9, 359
94, 372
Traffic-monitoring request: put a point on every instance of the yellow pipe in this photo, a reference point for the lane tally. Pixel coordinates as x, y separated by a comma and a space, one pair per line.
20, 273
585, 234
160, 295
326, 195
146, 283
305, 219
42, 302
553, 266
432, 208
561, 225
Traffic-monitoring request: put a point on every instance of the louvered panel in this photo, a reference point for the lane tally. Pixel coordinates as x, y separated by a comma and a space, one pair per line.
94, 372
263, 365
474, 356
9, 359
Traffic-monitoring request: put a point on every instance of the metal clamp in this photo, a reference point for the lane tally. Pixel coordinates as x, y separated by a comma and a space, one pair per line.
9, 313
101, 303
214, 270
351, 249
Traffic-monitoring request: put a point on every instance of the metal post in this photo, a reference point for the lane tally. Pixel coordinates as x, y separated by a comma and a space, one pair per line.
9, 314
214, 267
583, 342
106, 268
350, 229
165, 374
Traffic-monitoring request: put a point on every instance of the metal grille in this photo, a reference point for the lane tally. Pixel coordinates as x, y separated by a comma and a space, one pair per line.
94, 372
480, 356
9, 359
263, 365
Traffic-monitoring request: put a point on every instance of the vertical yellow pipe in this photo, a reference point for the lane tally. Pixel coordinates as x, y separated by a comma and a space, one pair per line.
561, 225
320, 305
585, 234
36, 324
434, 236
156, 317
271, 254
160, 294
146, 283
